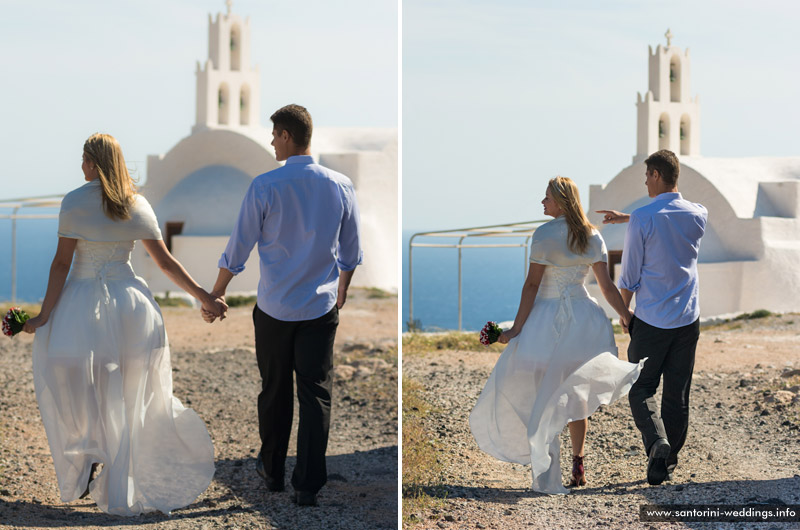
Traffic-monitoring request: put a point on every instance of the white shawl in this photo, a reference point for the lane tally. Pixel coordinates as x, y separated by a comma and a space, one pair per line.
82, 217
550, 246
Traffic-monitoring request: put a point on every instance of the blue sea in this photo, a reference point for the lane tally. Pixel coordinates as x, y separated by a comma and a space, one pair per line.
492, 281
37, 240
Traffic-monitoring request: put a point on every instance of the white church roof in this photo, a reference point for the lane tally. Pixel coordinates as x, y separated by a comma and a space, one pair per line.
352, 139
737, 179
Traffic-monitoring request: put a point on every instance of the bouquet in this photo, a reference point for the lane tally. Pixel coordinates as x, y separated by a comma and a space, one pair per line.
490, 333
13, 321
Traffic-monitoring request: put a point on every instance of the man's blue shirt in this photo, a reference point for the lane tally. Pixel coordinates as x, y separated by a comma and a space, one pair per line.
659, 261
304, 218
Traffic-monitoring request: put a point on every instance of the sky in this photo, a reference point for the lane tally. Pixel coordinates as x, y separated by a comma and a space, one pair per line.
499, 96
70, 69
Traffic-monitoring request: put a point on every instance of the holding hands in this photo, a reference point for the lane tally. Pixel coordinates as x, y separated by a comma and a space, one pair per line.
214, 307
625, 321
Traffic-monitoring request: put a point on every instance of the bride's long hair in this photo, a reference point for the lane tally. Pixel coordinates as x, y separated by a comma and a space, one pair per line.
565, 193
118, 186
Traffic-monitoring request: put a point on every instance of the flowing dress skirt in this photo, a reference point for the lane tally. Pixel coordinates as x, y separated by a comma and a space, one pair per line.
103, 382
560, 368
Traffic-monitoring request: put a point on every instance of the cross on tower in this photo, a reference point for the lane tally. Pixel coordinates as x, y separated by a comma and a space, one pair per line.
229, 4
669, 36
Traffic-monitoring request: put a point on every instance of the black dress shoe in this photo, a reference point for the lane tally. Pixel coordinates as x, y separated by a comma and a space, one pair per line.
672, 463
273, 484
657, 462
305, 498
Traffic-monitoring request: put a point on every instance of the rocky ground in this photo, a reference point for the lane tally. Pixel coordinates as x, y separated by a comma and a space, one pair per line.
743, 444
215, 372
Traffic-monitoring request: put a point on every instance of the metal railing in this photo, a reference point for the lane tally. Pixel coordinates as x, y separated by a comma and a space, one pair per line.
522, 230
50, 201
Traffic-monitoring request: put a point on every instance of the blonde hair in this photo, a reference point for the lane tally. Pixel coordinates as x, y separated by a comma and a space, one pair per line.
565, 194
118, 186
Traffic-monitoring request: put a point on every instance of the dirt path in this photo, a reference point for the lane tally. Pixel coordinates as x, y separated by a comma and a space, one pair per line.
743, 444
214, 372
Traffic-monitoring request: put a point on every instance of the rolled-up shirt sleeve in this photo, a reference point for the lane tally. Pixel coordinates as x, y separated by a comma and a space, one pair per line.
349, 253
246, 231
632, 256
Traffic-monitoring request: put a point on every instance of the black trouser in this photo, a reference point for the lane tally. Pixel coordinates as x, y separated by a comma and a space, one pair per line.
305, 347
669, 352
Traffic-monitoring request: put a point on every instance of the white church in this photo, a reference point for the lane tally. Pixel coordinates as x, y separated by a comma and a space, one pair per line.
197, 187
750, 254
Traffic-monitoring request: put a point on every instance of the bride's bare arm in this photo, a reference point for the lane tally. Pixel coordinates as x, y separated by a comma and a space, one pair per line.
529, 290
611, 293
173, 268
55, 284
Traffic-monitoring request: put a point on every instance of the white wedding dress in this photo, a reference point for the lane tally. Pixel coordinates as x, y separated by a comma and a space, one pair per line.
560, 368
103, 381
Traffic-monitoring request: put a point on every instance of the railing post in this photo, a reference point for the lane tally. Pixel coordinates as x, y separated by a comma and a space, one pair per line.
14, 256
411, 280
525, 266
459, 283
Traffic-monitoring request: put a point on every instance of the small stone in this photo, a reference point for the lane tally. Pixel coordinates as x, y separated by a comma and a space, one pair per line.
344, 372
441, 525
790, 373
449, 518
764, 412
364, 371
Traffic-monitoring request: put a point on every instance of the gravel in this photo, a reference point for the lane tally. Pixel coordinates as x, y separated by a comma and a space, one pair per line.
743, 444
215, 372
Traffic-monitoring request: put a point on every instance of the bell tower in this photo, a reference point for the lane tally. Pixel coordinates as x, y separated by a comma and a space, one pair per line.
227, 87
667, 117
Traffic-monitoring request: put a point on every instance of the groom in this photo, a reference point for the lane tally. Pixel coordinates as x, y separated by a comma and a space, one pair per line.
304, 218
659, 264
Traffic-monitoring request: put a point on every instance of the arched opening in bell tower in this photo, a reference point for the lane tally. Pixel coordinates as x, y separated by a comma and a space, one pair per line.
244, 105
675, 78
236, 47
223, 104
686, 134
663, 131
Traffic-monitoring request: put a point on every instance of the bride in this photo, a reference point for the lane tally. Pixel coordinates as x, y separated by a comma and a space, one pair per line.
101, 361
561, 360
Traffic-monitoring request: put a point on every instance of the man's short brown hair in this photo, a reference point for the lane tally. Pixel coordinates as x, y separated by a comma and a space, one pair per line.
295, 120
667, 165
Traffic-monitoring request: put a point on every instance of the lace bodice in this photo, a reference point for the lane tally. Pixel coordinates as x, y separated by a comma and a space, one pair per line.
566, 284
102, 260
561, 280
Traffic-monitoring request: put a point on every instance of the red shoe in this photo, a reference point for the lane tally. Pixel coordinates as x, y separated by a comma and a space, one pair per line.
578, 473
